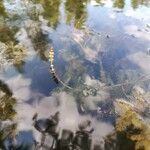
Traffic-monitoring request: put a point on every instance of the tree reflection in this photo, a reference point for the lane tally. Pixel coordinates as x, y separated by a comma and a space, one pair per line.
7, 111
135, 3
13, 53
76, 12
119, 4
7, 34
100, 2
38, 38
6, 102
2, 9
51, 11
40, 43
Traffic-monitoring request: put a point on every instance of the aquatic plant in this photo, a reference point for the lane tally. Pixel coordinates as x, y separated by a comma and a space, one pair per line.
6, 107
13, 53
131, 131
7, 103
7, 112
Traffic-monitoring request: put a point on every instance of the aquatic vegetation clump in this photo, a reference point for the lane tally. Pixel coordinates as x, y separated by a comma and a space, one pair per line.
15, 53
131, 130
134, 128
12, 53
6, 107
7, 103
7, 114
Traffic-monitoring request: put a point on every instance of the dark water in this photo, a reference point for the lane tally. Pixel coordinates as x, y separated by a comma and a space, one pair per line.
98, 45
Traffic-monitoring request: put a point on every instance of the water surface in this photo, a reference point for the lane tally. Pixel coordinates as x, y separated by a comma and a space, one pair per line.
98, 45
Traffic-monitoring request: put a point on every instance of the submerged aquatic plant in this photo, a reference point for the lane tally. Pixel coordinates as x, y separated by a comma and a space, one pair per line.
134, 128
6, 107
12, 53
15, 53
7, 103
7, 113
131, 131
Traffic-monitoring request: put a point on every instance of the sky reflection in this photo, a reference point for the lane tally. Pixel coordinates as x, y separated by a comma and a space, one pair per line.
97, 44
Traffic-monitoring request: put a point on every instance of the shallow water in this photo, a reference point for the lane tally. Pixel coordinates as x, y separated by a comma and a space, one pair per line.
98, 45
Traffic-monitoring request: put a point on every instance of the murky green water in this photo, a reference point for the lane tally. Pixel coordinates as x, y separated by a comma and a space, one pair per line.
100, 73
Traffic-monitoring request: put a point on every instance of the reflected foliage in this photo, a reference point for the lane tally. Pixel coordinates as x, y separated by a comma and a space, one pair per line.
2, 9
38, 38
51, 11
7, 34
40, 43
119, 3
131, 131
12, 52
16, 53
136, 3
99, 2
7, 112
6, 102
76, 12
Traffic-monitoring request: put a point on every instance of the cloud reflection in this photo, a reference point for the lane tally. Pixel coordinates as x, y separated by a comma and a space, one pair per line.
142, 60
133, 30
69, 115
